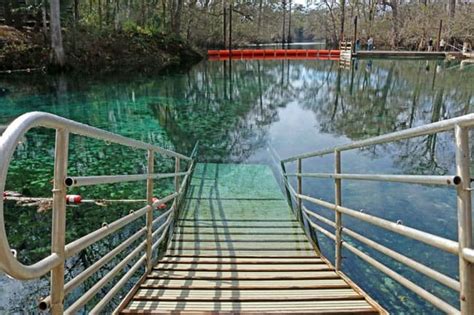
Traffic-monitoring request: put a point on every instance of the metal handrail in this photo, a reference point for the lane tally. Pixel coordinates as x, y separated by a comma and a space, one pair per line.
463, 248
60, 251
445, 125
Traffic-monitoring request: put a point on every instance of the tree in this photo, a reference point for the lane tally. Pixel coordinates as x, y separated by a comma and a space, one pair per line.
58, 57
452, 8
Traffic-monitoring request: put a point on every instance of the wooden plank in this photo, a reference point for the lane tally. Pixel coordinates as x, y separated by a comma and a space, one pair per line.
238, 298
253, 306
247, 294
242, 267
243, 253
237, 220
232, 240
237, 250
237, 210
261, 246
240, 260
236, 224
241, 229
323, 273
243, 284
240, 237
260, 312
255, 233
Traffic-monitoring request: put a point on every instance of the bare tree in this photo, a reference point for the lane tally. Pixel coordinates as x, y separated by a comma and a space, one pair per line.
59, 58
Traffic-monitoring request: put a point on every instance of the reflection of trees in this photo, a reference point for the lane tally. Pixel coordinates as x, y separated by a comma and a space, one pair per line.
228, 114
373, 100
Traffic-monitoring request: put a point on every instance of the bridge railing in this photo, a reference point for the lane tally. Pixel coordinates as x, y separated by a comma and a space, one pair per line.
461, 181
60, 251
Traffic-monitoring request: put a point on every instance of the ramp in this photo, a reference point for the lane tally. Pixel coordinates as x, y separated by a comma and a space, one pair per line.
238, 248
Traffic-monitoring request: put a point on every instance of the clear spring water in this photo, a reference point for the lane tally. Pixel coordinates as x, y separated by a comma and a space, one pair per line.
237, 112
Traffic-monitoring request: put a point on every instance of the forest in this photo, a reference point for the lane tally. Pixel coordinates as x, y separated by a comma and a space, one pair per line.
111, 34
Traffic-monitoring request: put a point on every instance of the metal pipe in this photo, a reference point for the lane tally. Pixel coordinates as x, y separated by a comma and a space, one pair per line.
156, 220
76, 246
433, 274
320, 229
164, 200
41, 119
149, 213
466, 268
76, 306
442, 305
58, 230
468, 254
427, 238
8, 143
159, 240
319, 217
288, 196
84, 275
116, 288
440, 126
338, 216
112, 179
176, 179
160, 229
409, 179
299, 167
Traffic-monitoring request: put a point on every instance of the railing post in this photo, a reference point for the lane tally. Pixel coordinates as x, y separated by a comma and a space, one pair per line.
466, 269
177, 183
338, 219
176, 170
149, 213
285, 183
299, 168
58, 231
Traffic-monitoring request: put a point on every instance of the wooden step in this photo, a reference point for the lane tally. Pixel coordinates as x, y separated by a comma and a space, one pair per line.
198, 260
242, 252
237, 223
238, 248
242, 267
246, 295
263, 246
244, 284
324, 273
239, 229
335, 306
240, 237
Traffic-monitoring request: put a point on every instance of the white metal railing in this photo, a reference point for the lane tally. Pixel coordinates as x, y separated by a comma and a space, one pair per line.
463, 247
60, 251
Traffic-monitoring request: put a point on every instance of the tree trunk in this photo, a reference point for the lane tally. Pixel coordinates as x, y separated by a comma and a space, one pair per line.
117, 25
283, 25
7, 7
99, 12
393, 4
177, 18
259, 20
343, 18
59, 58
452, 8
44, 9
143, 13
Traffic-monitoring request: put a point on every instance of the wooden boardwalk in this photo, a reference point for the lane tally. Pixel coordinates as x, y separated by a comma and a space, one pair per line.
238, 249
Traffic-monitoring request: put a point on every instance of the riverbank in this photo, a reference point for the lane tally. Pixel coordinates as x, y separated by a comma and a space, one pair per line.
95, 52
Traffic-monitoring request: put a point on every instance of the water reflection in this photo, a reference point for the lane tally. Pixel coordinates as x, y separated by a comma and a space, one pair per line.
236, 110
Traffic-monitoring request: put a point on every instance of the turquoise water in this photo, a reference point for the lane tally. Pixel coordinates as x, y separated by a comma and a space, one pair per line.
237, 111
